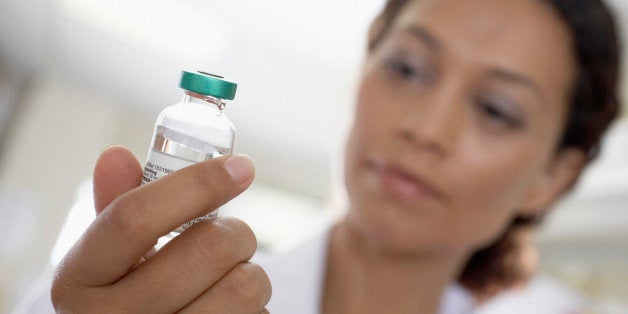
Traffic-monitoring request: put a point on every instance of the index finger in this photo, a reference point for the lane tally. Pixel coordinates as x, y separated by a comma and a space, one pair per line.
132, 223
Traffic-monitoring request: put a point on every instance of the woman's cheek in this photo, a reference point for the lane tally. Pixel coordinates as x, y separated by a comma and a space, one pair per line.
489, 197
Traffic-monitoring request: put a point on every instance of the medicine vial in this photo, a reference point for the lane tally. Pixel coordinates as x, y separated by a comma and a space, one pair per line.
191, 131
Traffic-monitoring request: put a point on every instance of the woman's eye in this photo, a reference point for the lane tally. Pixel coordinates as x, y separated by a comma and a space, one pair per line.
495, 113
406, 70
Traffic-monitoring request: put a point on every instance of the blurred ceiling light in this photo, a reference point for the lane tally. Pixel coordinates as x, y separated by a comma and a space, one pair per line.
176, 31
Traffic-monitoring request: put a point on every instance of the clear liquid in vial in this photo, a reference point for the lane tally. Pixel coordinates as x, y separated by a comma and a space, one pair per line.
184, 147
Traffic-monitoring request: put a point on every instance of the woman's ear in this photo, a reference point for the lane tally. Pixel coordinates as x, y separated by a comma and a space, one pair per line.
560, 175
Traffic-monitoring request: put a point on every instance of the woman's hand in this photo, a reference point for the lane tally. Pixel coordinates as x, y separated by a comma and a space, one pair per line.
205, 269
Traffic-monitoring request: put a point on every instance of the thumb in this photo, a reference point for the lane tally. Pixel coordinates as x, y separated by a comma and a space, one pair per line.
116, 172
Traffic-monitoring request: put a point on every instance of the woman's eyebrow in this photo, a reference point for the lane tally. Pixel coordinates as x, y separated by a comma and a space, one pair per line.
430, 41
424, 36
518, 79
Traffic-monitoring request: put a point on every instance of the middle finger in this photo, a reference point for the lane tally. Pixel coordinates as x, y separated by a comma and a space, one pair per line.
189, 264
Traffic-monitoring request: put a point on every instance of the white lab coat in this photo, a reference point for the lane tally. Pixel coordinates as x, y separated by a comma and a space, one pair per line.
297, 280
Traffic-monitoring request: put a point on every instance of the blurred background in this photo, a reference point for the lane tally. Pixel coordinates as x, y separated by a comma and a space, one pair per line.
79, 75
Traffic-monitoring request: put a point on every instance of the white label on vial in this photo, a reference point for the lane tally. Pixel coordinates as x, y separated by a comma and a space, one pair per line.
160, 164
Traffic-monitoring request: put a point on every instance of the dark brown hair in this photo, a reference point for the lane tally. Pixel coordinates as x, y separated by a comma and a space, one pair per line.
594, 104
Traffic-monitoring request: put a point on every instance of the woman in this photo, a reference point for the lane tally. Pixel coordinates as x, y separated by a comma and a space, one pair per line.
472, 118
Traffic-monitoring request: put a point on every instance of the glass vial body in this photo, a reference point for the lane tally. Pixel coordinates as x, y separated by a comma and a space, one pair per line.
191, 131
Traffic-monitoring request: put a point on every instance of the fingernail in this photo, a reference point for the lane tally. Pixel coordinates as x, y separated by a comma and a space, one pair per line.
110, 147
240, 168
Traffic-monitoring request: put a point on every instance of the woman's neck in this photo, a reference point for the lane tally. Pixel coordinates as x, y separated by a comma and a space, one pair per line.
364, 278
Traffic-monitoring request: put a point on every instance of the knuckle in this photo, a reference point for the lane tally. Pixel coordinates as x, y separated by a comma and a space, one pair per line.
222, 242
58, 294
216, 243
249, 285
64, 287
246, 240
70, 298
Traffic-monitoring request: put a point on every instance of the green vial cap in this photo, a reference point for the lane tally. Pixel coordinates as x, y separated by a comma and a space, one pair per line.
208, 84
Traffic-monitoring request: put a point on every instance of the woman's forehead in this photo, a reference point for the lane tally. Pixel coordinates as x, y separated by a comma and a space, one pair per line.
522, 36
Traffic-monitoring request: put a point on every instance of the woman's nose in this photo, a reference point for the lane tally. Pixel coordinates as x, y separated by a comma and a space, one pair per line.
433, 124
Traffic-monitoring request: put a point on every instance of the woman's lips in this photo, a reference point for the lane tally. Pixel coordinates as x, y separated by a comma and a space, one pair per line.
403, 184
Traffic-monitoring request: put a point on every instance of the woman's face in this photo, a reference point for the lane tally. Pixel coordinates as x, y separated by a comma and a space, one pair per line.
460, 110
